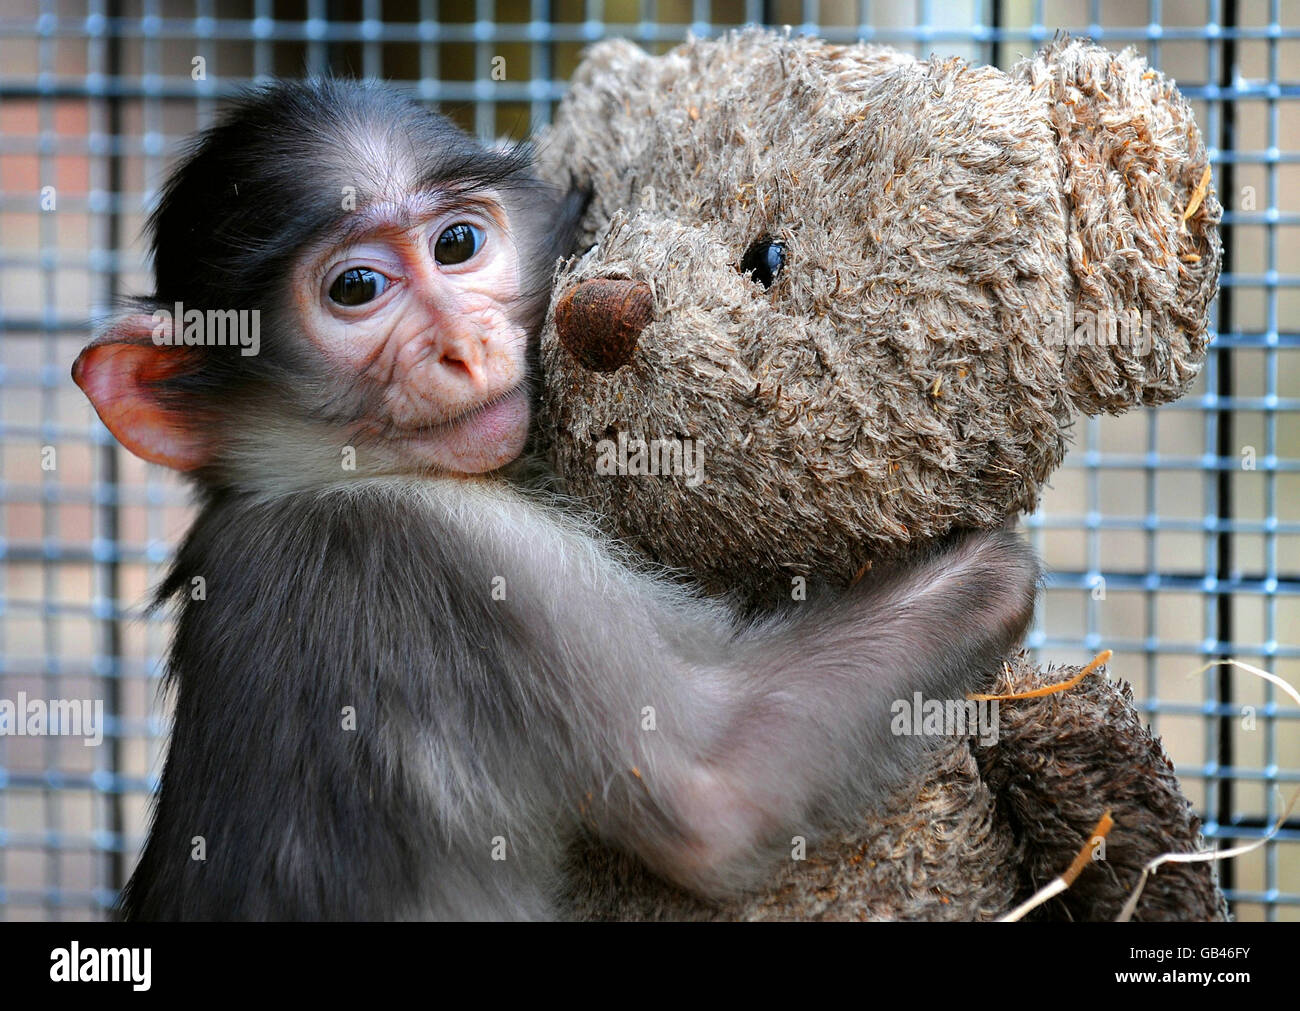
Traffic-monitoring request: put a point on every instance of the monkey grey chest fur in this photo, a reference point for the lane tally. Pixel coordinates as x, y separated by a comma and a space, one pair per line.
349, 719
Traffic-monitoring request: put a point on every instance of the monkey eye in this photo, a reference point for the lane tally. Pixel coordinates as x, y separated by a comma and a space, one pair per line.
357, 286
763, 261
458, 243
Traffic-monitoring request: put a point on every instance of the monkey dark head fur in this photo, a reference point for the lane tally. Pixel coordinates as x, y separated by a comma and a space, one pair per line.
406, 684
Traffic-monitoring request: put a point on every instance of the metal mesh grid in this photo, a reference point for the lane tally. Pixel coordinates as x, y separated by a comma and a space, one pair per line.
1172, 535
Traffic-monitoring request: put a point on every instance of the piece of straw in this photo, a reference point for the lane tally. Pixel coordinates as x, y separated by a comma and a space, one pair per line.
1199, 857
1210, 856
1035, 693
1064, 880
1286, 686
1198, 194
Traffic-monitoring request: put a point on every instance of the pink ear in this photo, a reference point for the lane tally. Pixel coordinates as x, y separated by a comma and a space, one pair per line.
118, 373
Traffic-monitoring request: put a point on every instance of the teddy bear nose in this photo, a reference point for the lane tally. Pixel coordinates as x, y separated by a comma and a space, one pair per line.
600, 320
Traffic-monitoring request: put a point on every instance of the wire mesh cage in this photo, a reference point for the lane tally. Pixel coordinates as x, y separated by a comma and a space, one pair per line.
1171, 534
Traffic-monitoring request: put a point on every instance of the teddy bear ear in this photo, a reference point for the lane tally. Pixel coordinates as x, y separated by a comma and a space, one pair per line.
599, 121
1141, 225
609, 56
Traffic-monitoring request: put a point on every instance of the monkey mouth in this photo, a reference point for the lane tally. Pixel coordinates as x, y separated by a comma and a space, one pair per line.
475, 440
462, 419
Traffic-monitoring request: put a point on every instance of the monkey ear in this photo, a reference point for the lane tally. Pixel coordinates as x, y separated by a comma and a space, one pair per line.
119, 372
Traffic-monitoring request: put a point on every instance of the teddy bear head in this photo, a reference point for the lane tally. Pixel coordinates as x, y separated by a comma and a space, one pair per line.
833, 300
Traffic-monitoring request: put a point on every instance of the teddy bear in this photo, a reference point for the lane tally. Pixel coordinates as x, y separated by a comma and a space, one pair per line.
832, 302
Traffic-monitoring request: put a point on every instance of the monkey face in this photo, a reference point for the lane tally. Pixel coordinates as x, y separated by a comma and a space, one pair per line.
383, 247
417, 305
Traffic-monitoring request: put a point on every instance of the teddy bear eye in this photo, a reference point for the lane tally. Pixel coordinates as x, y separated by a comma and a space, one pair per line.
763, 261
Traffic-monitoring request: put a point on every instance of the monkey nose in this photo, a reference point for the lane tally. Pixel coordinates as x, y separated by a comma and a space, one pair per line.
600, 320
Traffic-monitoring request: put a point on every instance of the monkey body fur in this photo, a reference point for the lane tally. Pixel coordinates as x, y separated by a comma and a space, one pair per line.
490, 728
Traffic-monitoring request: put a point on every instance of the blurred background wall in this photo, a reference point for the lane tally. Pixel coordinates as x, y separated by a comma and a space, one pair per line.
1172, 536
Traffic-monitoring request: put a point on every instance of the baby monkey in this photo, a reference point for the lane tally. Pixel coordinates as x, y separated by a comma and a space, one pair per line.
407, 683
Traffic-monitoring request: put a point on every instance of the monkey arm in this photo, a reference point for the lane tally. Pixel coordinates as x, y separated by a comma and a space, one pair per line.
701, 739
